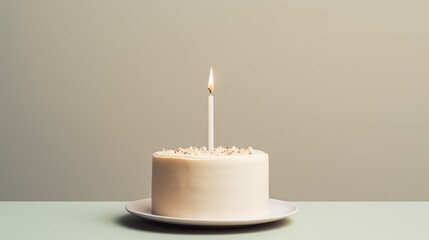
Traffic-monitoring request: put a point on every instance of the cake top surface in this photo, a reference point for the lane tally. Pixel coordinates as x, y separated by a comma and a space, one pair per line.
205, 152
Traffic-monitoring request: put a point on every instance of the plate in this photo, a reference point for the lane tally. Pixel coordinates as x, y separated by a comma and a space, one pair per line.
277, 210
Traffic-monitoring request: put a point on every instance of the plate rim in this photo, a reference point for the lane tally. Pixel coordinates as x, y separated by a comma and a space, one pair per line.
209, 222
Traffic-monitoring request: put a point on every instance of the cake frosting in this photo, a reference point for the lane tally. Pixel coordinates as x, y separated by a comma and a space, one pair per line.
220, 183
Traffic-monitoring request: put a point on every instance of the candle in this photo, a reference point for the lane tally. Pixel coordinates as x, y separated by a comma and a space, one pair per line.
211, 111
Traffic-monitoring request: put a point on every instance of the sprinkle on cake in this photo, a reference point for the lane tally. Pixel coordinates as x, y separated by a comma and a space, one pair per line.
204, 151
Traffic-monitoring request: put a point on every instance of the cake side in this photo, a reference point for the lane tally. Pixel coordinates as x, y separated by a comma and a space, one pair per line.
210, 187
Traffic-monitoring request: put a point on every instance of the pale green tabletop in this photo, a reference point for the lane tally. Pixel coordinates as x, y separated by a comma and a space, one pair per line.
315, 220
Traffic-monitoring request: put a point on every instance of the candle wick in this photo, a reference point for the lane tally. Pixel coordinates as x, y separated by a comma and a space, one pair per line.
210, 91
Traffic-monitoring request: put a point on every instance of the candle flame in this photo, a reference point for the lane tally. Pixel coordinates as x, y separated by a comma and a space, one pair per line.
211, 84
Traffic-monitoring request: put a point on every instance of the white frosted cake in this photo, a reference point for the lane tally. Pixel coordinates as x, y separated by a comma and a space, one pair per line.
222, 183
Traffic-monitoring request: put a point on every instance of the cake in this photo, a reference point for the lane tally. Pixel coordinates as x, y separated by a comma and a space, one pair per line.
221, 183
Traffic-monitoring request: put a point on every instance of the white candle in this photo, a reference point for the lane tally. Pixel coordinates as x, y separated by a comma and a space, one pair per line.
211, 111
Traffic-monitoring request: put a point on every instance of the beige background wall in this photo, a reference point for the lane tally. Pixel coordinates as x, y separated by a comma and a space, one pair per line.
337, 92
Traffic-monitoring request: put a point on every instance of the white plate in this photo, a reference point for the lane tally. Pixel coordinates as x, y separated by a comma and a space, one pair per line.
277, 210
